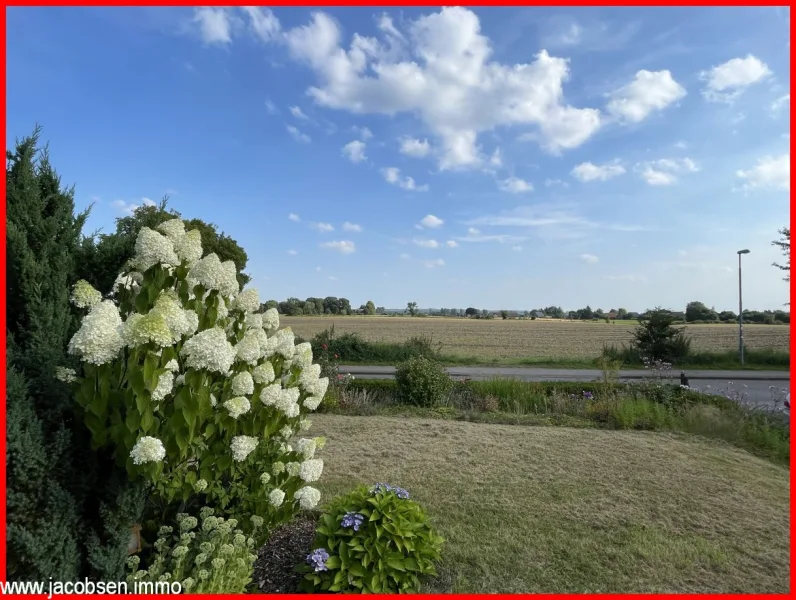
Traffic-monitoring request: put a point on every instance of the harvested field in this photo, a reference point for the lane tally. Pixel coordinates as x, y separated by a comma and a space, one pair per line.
514, 339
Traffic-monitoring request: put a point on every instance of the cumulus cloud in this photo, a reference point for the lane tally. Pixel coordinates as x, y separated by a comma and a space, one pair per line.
426, 243
297, 135
352, 227
590, 172
431, 222
343, 247
515, 185
589, 258
127, 208
294, 217
649, 91
665, 171
363, 132
442, 70
263, 22
780, 103
415, 148
451, 244
322, 227
148, 202
393, 175
770, 173
725, 82
355, 151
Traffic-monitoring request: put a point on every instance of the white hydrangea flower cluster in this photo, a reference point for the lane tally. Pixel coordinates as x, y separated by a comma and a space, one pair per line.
243, 384
306, 447
164, 387
248, 301
146, 450
242, 446
311, 470
99, 339
152, 248
209, 350
212, 274
237, 407
65, 374
307, 497
84, 295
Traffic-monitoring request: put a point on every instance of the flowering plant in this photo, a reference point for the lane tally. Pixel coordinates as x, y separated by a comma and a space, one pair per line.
374, 540
192, 388
208, 557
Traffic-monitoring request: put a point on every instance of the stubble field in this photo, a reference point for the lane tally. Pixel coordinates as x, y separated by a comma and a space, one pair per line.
515, 339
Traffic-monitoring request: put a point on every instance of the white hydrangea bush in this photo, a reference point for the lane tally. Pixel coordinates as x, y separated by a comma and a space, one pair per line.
193, 387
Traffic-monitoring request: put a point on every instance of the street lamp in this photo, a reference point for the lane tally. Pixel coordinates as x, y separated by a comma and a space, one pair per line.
740, 305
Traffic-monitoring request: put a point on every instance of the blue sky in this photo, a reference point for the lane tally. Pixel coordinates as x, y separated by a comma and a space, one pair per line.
498, 158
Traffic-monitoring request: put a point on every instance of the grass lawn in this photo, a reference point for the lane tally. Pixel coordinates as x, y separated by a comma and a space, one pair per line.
554, 509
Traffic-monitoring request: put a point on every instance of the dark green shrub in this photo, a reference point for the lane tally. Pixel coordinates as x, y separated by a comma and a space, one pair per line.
656, 337
372, 541
422, 382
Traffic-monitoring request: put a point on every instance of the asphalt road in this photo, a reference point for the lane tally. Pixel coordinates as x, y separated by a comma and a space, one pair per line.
752, 387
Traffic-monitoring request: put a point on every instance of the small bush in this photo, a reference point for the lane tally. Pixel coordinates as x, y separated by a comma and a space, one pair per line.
372, 541
422, 382
212, 558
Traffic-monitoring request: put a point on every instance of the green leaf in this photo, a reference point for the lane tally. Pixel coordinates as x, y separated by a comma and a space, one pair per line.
147, 421
356, 569
333, 562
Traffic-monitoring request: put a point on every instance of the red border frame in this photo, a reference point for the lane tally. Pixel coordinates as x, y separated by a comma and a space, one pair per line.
327, 3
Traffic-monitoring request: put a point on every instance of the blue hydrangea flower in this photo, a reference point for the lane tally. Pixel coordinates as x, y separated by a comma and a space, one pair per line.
383, 488
353, 520
317, 559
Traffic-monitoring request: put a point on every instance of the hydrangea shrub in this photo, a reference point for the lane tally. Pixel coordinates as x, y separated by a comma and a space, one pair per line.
205, 558
374, 540
191, 387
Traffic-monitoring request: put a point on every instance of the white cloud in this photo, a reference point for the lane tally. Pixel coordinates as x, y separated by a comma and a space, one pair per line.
430, 264
343, 247
496, 160
298, 113
517, 248
271, 108
473, 231
294, 217
770, 172
780, 103
292, 252
414, 147
322, 227
355, 151
649, 91
727, 81
215, 25
589, 258
363, 132
515, 185
664, 171
127, 208
681, 145
590, 172
298, 135
393, 175
148, 202
451, 244
426, 243
447, 78
263, 22
431, 222
352, 227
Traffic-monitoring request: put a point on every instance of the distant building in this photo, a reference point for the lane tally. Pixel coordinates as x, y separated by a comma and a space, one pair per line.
539, 314
612, 315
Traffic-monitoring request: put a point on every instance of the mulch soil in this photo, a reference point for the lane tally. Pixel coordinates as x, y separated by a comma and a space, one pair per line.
287, 547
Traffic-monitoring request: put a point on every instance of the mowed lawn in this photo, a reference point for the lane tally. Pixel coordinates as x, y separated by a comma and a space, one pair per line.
549, 509
517, 339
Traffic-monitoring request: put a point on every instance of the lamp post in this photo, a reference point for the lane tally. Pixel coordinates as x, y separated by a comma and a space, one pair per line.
740, 305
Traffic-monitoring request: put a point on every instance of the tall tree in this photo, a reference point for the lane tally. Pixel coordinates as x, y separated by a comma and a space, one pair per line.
783, 243
68, 513
411, 308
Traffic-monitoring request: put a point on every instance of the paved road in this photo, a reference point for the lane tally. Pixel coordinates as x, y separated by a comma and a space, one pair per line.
753, 386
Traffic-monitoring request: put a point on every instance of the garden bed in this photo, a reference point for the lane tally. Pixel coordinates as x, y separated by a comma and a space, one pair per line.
287, 546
